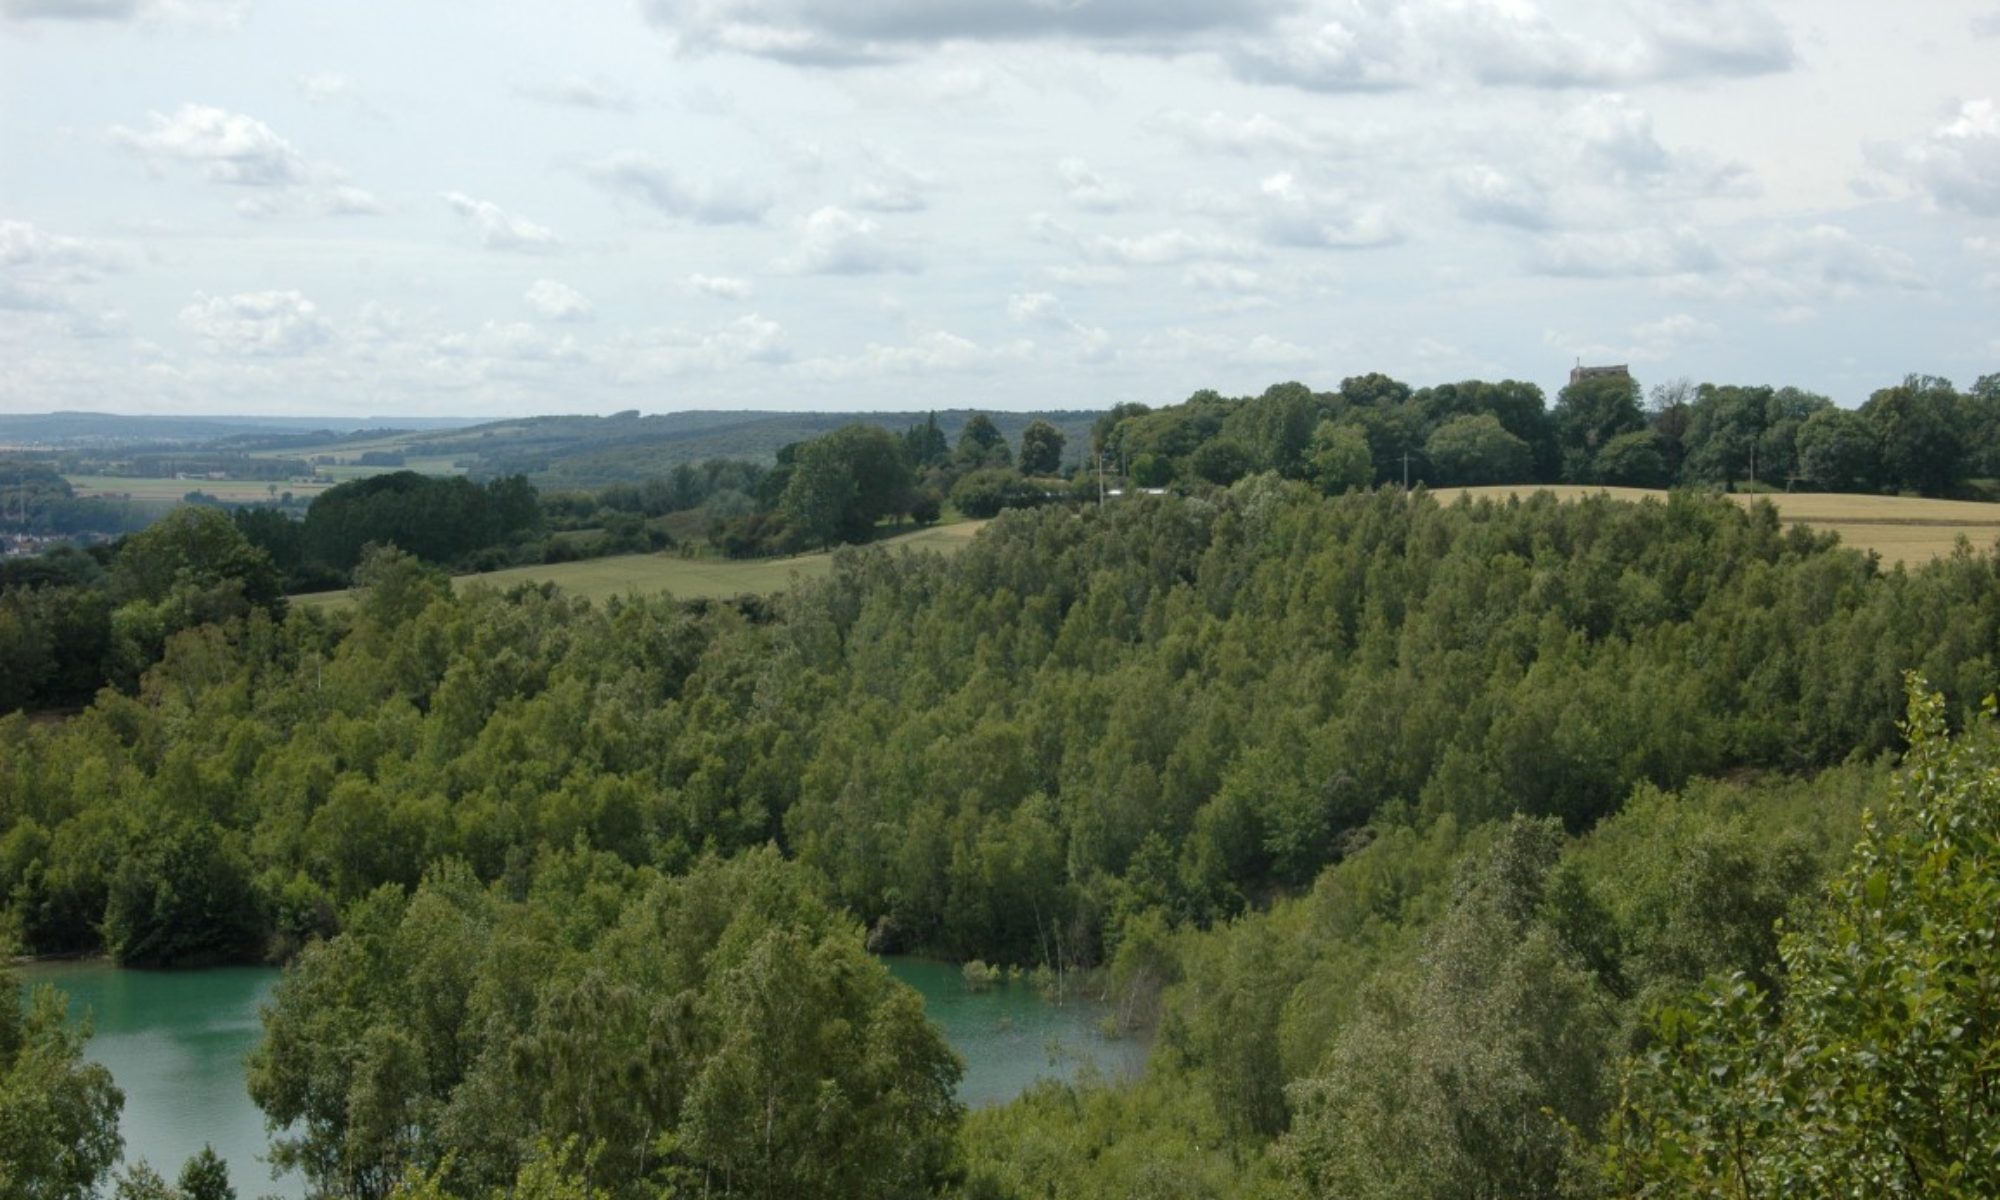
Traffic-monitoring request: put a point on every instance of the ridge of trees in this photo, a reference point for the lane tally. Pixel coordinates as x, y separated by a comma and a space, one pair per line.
1921, 435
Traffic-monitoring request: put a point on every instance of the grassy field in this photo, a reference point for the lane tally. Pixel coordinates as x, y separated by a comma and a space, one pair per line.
687, 578
170, 491
1899, 528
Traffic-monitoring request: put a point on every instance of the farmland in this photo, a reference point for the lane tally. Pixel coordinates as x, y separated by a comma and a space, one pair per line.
1901, 529
687, 578
155, 490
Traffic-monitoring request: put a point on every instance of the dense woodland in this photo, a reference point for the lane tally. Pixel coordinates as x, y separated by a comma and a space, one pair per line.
1440, 849
1920, 436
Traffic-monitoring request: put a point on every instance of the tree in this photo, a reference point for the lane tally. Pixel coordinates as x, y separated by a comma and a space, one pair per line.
206, 1177
1471, 450
1635, 459
925, 443
1221, 461
1877, 1075
1725, 428
1339, 460
985, 493
194, 548
58, 1114
876, 463
981, 444
1041, 449
818, 495
1916, 426
1588, 414
1837, 451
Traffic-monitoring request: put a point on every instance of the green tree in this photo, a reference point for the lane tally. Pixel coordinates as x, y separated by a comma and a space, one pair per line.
1477, 449
926, 444
1221, 461
1339, 458
1041, 449
1837, 451
1588, 414
1917, 428
981, 444
58, 1114
1636, 459
817, 498
1878, 1074
206, 1177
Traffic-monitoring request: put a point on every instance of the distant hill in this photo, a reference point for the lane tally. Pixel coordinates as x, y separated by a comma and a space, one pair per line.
591, 452
103, 430
554, 451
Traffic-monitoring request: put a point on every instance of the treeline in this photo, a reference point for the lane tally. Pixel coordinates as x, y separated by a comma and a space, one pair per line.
1921, 436
839, 487
73, 621
35, 499
1399, 821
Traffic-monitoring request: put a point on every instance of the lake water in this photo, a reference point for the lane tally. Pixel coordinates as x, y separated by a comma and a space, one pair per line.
175, 1042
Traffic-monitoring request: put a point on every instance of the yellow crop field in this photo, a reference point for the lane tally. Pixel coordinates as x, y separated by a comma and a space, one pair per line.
687, 578
1901, 529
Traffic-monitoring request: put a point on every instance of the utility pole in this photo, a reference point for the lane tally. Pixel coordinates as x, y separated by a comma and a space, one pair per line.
1100, 477
1406, 470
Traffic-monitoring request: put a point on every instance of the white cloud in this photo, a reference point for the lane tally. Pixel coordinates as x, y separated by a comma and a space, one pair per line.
1217, 277
228, 147
237, 150
55, 258
1258, 133
1165, 247
1291, 213
194, 12
1958, 163
324, 87
72, 10
1833, 259
599, 94
255, 323
1486, 193
935, 351
722, 287
833, 241
1673, 250
893, 186
1089, 190
499, 229
675, 351
1043, 309
556, 301
1655, 340
1365, 45
653, 182
1209, 347
847, 32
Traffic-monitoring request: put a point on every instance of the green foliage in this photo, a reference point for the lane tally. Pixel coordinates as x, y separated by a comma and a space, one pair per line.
438, 519
1339, 459
58, 1114
1459, 1077
1476, 449
982, 445
1875, 1076
723, 1027
1041, 449
1588, 415
985, 493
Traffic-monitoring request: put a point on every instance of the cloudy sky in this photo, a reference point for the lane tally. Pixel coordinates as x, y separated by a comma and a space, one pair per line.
422, 208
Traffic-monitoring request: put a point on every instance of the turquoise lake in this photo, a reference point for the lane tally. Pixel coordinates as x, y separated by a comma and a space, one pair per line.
175, 1042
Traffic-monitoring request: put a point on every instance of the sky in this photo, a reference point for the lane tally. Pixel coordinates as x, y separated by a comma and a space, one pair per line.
417, 208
